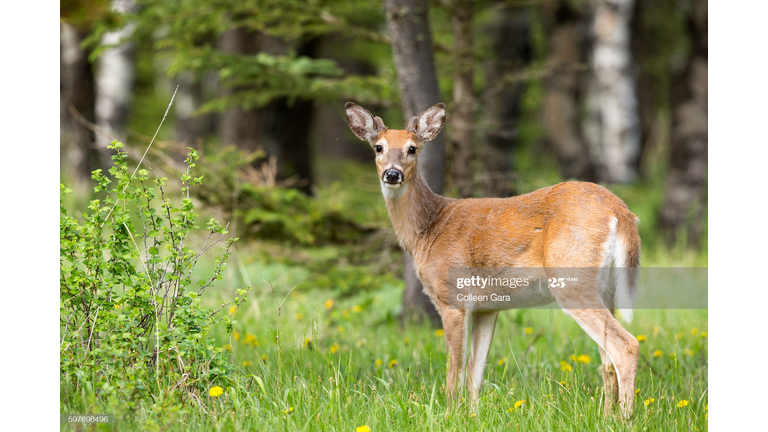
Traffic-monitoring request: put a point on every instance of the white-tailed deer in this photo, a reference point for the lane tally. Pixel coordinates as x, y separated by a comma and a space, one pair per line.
569, 225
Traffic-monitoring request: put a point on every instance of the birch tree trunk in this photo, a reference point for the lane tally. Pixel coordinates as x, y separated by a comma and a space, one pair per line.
686, 192
114, 85
612, 128
462, 135
408, 24
78, 157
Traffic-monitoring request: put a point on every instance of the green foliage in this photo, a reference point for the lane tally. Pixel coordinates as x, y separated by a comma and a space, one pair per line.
187, 35
133, 329
269, 210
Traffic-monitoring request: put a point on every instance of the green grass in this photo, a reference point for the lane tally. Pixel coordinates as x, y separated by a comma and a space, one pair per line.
342, 379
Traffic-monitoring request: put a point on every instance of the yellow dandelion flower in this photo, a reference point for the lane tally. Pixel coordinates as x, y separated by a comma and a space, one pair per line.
236, 335
288, 411
216, 391
573, 358
472, 415
501, 361
637, 391
704, 334
378, 363
118, 306
264, 357
439, 332
345, 313
528, 330
641, 338
392, 363
247, 363
649, 401
406, 341
232, 310
656, 330
328, 304
519, 403
694, 331
308, 342
340, 329
583, 359
299, 316
334, 348
565, 367
250, 339
682, 403
226, 347
658, 353
363, 428
357, 309
562, 383
688, 352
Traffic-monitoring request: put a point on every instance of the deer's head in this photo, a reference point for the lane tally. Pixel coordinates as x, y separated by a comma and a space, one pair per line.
396, 151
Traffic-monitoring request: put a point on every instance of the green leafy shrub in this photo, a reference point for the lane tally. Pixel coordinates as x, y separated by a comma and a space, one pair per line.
132, 326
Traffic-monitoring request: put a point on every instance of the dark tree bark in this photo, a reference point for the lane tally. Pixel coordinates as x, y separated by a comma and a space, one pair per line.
292, 130
408, 23
463, 130
78, 156
686, 192
510, 43
567, 30
237, 126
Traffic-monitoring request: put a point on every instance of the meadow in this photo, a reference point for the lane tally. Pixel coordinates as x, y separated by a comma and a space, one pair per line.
344, 360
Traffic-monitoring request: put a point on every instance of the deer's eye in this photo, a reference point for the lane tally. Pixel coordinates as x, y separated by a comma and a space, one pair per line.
412, 150
378, 148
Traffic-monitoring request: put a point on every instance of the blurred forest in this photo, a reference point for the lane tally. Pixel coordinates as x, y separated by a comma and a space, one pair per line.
538, 91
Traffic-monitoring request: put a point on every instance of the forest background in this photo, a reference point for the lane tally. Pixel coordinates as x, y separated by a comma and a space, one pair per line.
537, 91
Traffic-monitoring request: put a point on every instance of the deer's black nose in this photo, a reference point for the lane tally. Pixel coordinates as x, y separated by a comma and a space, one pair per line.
393, 176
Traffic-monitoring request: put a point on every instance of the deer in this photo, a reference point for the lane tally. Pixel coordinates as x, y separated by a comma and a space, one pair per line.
567, 225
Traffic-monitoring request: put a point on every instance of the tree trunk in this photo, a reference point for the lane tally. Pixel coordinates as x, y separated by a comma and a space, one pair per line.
510, 43
237, 126
408, 24
114, 85
561, 94
686, 193
78, 157
612, 126
463, 101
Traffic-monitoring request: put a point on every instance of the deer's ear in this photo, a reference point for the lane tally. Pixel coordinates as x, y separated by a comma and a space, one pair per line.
362, 122
430, 122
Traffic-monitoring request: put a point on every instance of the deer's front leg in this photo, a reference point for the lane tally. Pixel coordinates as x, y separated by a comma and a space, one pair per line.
456, 345
483, 325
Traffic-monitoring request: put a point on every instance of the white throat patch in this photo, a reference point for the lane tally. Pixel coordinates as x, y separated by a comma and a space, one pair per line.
392, 192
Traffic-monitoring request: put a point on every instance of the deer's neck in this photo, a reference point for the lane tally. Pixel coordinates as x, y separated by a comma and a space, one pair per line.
413, 208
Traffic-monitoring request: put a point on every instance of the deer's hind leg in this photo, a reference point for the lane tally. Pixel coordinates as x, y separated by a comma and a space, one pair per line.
584, 303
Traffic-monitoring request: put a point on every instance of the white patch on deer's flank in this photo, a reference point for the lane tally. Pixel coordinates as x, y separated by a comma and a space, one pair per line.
623, 298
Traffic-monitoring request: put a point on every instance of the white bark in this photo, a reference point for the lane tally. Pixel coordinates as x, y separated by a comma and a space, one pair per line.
114, 82
612, 127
